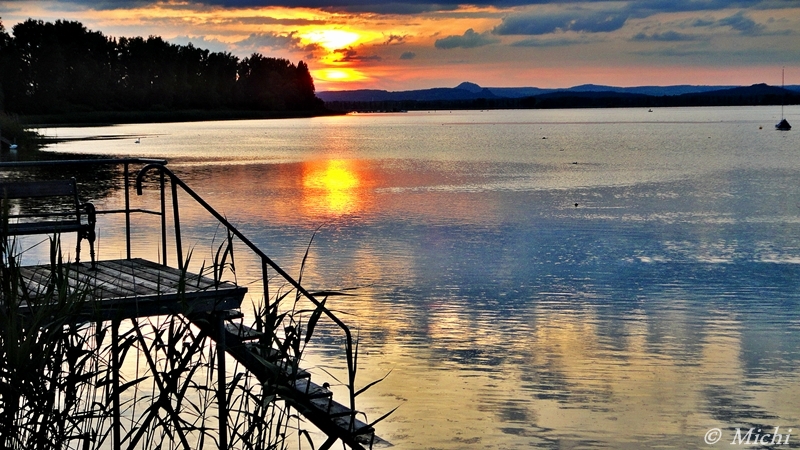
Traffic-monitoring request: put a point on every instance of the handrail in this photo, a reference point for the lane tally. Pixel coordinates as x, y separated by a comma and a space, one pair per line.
124, 162
175, 181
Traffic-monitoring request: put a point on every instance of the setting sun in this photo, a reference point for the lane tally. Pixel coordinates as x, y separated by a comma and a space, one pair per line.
343, 74
331, 39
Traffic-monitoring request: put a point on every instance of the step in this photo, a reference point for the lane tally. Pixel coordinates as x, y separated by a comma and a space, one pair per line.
312, 390
243, 332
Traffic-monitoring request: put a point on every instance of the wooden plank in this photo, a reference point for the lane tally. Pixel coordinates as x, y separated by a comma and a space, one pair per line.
142, 285
34, 282
39, 278
311, 390
118, 284
34, 189
118, 290
157, 273
171, 277
243, 332
206, 281
46, 227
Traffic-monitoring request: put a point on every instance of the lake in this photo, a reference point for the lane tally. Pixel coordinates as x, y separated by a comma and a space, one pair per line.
527, 279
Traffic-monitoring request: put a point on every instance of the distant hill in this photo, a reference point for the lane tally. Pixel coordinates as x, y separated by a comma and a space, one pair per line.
372, 95
470, 91
470, 95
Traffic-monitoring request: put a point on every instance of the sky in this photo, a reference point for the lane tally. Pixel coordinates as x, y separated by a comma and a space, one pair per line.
417, 44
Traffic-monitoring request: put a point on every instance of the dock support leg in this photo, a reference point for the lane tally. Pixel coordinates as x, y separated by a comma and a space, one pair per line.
115, 367
222, 404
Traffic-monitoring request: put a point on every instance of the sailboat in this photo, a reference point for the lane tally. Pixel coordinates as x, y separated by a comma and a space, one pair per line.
783, 125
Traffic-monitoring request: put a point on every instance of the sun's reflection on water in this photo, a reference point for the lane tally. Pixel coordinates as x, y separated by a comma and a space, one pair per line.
331, 187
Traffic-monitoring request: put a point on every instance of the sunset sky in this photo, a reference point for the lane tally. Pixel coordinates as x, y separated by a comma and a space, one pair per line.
413, 44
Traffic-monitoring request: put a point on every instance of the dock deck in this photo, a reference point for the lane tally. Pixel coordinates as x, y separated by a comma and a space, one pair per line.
126, 288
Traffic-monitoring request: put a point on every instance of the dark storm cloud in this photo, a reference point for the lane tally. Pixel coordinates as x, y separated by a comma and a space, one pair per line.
638, 8
543, 43
579, 17
740, 22
667, 36
580, 21
351, 55
470, 39
625, 9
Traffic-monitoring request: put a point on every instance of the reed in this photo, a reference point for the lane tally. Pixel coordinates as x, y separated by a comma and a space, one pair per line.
46, 361
58, 378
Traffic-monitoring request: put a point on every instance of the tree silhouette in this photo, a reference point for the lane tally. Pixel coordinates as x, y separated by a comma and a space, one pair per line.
62, 67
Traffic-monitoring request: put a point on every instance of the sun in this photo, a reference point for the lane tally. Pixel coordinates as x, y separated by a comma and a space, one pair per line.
331, 39
338, 74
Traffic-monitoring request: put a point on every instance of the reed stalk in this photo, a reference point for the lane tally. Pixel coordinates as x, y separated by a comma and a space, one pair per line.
58, 363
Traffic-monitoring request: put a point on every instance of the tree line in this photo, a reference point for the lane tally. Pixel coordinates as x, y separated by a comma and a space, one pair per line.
62, 67
758, 94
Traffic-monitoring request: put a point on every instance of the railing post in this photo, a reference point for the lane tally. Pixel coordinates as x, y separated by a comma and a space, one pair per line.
265, 281
163, 222
178, 246
127, 211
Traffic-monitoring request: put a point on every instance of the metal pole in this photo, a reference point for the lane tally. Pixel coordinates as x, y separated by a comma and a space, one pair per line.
177, 223
127, 212
115, 368
265, 282
163, 223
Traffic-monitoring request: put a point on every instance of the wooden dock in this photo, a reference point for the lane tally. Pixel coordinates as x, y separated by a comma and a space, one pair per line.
130, 288
126, 288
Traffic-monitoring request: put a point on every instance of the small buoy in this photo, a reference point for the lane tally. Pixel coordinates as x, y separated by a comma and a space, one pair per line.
575, 162
576, 205
760, 128
544, 137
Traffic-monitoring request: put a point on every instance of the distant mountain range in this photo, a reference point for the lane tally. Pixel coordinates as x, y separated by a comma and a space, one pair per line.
471, 91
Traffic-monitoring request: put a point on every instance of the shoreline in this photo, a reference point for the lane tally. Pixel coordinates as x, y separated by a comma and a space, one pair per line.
108, 118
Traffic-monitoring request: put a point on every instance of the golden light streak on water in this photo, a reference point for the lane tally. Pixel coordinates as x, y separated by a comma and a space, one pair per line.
331, 187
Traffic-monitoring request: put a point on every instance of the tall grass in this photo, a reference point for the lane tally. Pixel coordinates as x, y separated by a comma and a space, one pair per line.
45, 358
58, 366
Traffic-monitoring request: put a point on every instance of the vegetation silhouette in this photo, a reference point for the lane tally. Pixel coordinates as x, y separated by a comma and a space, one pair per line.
757, 94
63, 68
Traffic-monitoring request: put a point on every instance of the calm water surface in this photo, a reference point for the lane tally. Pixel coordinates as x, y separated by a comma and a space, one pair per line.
550, 279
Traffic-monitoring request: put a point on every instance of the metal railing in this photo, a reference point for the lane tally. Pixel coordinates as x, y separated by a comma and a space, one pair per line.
163, 173
126, 173
266, 261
